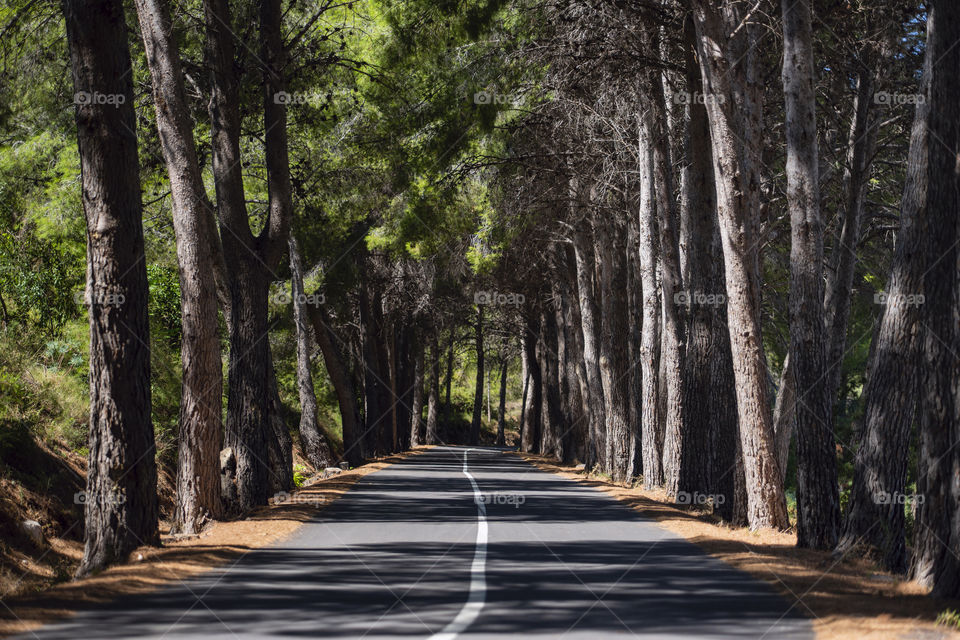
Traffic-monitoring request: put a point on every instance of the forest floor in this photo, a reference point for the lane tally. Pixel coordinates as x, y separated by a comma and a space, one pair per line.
846, 598
37, 597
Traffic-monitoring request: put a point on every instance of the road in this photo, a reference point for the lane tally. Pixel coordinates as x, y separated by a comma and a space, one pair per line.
410, 552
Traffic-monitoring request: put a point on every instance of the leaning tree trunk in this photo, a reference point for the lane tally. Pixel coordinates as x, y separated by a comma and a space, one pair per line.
121, 498
839, 281
874, 520
726, 51
936, 560
342, 381
200, 432
478, 388
818, 496
312, 439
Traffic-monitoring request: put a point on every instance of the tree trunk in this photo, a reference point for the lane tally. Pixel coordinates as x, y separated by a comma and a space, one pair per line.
502, 408
651, 428
417, 435
818, 496
250, 425
121, 509
448, 404
342, 381
200, 432
590, 331
703, 301
530, 434
875, 519
937, 545
433, 401
610, 246
726, 51
478, 389
312, 439
552, 416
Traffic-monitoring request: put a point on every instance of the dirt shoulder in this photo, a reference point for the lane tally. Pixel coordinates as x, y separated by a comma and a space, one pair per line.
846, 599
150, 568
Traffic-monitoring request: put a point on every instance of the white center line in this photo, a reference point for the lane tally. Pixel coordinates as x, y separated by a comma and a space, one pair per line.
478, 581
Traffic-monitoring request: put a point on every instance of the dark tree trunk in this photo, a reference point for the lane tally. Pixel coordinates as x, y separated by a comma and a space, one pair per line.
250, 428
201, 427
121, 509
478, 388
703, 296
502, 408
551, 414
342, 381
818, 496
937, 546
610, 246
312, 439
530, 432
448, 404
433, 402
728, 68
875, 520
417, 435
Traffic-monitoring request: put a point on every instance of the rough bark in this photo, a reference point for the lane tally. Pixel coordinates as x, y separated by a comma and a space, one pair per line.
250, 425
703, 299
651, 427
433, 400
312, 439
200, 434
417, 435
590, 331
936, 561
875, 520
502, 407
610, 247
726, 52
342, 380
818, 496
531, 420
121, 508
478, 388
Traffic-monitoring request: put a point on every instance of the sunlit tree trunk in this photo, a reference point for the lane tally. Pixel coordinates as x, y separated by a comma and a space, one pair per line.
121, 508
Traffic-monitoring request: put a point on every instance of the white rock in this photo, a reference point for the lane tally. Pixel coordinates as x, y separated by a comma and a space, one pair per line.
33, 530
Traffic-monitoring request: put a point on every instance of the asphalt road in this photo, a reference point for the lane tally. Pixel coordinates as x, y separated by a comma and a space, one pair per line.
436, 548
